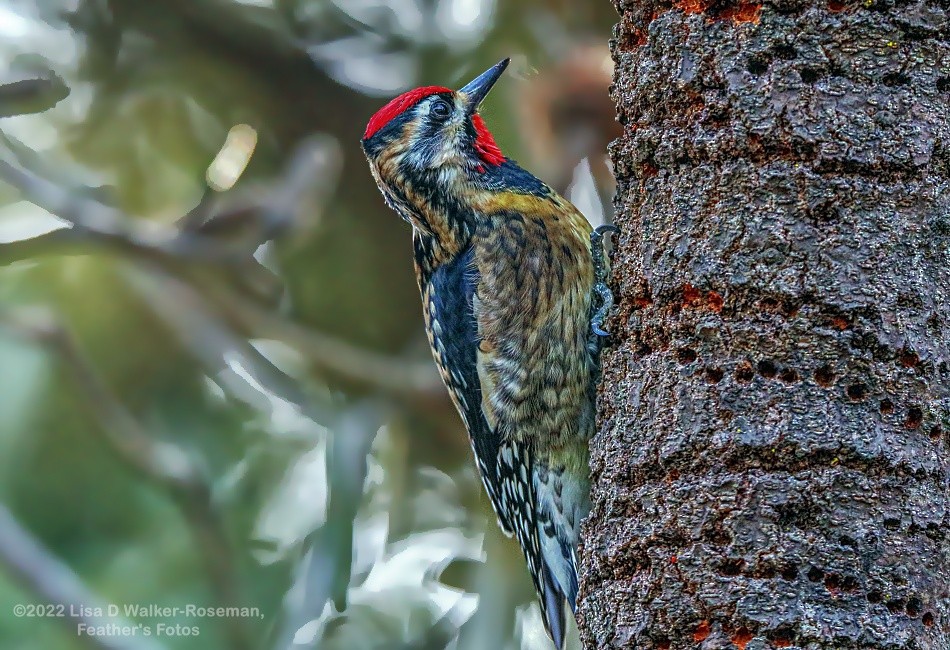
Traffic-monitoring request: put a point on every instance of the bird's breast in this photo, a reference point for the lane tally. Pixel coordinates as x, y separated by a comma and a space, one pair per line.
533, 308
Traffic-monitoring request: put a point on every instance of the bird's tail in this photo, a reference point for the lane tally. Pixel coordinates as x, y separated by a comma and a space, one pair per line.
552, 609
545, 511
562, 501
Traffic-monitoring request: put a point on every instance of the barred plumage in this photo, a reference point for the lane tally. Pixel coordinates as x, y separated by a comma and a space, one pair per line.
512, 283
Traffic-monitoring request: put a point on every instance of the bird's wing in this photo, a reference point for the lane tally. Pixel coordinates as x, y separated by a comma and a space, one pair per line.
447, 296
455, 319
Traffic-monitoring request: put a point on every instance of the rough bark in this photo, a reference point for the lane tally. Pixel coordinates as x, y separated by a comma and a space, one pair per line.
772, 463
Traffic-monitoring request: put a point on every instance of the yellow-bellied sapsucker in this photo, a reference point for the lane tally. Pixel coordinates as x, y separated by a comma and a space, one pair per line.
513, 288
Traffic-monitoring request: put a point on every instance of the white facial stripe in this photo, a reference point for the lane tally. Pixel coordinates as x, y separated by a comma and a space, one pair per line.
435, 149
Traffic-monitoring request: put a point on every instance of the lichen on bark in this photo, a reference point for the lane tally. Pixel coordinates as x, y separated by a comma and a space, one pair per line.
772, 463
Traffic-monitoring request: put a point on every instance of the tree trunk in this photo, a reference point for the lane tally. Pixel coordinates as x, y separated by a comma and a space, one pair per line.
772, 464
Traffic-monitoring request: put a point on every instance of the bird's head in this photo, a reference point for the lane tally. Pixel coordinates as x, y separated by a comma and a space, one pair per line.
433, 138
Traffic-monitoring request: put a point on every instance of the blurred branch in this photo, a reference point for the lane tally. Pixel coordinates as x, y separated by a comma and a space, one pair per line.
32, 92
212, 342
65, 241
55, 583
268, 49
260, 44
62, 173
161, 462
260, 214
347, 465
105, 224
393, 376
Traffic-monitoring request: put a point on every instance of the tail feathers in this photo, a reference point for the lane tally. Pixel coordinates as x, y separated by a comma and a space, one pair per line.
562, 502
552, 610
544, 512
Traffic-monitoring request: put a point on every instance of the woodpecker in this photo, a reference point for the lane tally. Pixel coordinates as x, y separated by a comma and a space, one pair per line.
513, 284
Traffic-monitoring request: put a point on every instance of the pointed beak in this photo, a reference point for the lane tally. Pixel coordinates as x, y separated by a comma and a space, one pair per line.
476, 90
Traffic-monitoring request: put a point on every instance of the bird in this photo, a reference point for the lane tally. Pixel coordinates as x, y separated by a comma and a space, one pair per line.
513, 281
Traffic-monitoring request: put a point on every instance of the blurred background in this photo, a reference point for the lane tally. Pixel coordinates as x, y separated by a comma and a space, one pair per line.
215, 388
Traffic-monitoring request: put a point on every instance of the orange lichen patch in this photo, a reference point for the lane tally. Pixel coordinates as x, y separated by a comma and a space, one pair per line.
631, 36
840, 322
694, 298
781, 643
745, 12
637, 38
696, 104
641, 295
836, 6
702, 632
691, 295
691, 6
741, 638
909, 358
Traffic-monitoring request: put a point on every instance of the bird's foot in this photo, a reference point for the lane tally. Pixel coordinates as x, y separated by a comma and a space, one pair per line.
603, 297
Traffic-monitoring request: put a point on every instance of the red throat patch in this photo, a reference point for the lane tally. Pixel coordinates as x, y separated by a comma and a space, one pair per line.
485, 144
398, 106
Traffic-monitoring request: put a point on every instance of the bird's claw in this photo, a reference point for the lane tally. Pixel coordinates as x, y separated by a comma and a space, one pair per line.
606, 302
601, 273
607, 228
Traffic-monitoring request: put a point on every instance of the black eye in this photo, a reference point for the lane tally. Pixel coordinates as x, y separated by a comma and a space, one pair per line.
440, 109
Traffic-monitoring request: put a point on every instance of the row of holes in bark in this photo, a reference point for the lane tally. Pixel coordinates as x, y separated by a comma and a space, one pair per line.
836, 584
824, 376
812, 75
833, 583
905, 356
740, 637
785, 637
759, 64
741, 12
690, 297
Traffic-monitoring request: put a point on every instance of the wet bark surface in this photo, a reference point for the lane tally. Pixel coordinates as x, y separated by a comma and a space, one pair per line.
772, 464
